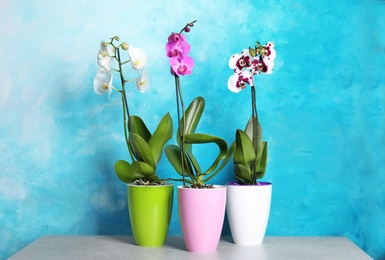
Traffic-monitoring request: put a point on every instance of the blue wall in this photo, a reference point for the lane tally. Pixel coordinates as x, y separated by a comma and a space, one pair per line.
322, 111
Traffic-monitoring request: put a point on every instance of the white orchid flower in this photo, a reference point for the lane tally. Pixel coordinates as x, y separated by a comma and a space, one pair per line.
138, 57
143, 83
103, 82
105, 55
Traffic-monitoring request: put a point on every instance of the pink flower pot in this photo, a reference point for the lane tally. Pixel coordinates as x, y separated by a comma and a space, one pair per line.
201, 214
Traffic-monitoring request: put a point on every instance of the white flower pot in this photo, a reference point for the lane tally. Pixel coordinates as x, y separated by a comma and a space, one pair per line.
248, 209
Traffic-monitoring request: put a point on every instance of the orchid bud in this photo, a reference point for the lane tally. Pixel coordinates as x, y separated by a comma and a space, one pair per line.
117, 38
124, 46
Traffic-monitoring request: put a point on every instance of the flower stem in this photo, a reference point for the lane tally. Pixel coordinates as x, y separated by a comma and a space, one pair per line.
179, 99
254, 122
126, 111
188, 25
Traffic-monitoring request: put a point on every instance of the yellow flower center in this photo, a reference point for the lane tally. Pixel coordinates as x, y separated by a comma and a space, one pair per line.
105, 86
137, 63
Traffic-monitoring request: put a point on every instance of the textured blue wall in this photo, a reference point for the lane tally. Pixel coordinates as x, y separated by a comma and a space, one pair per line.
322, 111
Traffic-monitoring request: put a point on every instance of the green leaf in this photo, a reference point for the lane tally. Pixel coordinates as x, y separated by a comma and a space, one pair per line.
142, 150
125, 172
243, 173
262, 161
143, 168
153, 178
196, 138
244, 150
223, 164
139, 127
255, 134
162, 134
189, 123
193, 160
241, 181
187, 126
173, 155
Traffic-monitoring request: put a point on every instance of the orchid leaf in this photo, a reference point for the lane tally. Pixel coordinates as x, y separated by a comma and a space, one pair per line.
174, 156
187, 127
193, 160
244, 150
242, 173
241, 181
143, 168
162, 134
142, 150
153, 178
223, 164
262, 161
196, 138
137, 126
125, 172
255, 133
193, 114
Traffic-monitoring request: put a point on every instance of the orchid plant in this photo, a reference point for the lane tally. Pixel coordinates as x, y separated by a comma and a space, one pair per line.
145, 149
250, 152
181, 156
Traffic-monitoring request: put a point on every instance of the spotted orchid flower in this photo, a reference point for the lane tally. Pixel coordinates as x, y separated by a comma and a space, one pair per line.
247, 64
270, 51
237, 82
103, 82
267, 59
138, 57
239, 62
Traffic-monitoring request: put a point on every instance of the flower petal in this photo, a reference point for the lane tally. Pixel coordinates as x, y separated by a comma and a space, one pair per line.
238, 81
182, 66
233, 61
177, 49
232, 84
103, 82
143, 83
105, 55
268, 64
270, 50
138, 57
109, 49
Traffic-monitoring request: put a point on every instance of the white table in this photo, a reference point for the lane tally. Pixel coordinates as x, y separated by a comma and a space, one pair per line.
123, 247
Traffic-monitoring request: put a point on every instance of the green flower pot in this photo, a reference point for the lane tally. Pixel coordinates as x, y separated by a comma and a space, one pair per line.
150, 210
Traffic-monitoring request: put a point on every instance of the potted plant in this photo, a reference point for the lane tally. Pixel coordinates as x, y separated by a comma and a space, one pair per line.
248, 200
149, 197
201, 205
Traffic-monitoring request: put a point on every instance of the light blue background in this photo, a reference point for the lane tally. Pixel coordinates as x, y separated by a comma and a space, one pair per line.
322, 111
